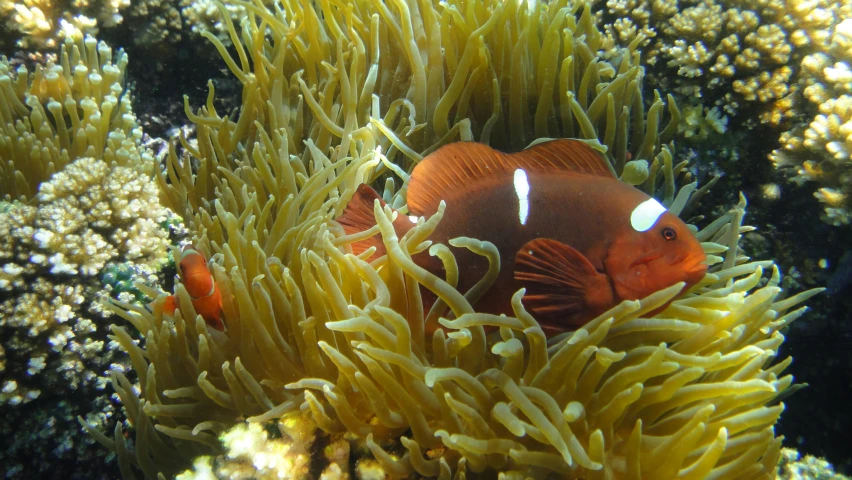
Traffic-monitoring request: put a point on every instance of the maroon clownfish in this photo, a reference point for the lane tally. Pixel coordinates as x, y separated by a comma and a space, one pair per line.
199, 283
568, 231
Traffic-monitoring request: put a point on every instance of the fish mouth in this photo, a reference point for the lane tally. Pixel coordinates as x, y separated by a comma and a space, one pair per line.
695, 268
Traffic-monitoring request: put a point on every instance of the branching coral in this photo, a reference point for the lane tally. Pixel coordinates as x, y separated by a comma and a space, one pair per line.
100, 208
338, 96
79, 196
785, 62
251, 453
45, 23
41, 23
821, 151
86, 216
793, 467
728, 51
709, 44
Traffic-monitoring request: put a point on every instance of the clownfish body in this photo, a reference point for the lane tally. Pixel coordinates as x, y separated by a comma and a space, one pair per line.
199, 283
568, 231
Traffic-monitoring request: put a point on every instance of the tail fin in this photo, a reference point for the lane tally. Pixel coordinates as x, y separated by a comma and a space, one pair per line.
358, 216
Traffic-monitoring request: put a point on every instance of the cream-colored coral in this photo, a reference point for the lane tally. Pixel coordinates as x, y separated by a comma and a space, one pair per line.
86, 200
79, 195
782, 60
51, 251
831, 130
792, 466
811, 22
690, 59
765, 86
44, 23
631, 19
251, 454
698, 122
85, 216
820, 150
732, 52
39, 24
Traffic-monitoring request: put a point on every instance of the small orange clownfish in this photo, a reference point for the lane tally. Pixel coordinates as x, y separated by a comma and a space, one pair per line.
199, 283
568, 231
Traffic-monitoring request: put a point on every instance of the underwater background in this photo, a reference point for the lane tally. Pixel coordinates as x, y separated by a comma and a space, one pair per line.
132, 127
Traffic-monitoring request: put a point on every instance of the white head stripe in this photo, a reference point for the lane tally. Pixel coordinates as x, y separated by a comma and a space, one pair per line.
646, 214
522, 190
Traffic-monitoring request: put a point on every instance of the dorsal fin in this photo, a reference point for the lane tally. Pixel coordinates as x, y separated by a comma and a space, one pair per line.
456, 165
566, 154
358, 216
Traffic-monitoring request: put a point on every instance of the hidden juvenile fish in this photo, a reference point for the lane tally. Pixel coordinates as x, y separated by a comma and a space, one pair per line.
199, 283
568, 231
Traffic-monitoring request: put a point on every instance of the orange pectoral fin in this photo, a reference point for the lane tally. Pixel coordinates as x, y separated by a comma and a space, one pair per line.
563, 287
170, 305
210, 309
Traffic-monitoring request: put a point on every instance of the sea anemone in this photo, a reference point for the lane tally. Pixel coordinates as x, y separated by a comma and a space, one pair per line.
336, 95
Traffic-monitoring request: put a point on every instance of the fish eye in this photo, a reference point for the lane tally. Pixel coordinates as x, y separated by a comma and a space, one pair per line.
182, 267
669, 234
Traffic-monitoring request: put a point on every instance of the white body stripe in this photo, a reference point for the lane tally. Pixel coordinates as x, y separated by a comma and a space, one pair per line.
522, 190
646, 214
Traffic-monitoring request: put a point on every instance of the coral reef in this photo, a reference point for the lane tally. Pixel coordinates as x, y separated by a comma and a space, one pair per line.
251, 453
44, 23
821, 151
79, 198
793, 467
82, 199
334, 97
41, 441
40, 24
156, 25
85, 217
710, 44
777, 62
728, 52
